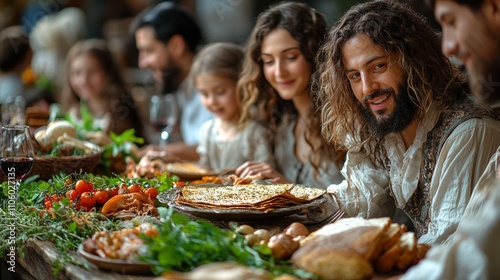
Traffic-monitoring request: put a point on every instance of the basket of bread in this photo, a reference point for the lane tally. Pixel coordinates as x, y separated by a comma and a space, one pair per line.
57, 149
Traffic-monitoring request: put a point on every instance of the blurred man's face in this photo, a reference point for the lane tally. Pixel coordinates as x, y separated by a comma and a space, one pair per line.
154, 54
474, 38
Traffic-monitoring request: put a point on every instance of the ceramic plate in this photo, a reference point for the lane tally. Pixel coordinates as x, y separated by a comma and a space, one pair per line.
119, 266
238, 215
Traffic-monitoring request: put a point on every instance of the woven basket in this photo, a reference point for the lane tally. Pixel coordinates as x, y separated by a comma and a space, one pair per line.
47, 166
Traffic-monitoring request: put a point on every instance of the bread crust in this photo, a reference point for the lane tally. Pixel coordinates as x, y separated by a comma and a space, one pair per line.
333, 263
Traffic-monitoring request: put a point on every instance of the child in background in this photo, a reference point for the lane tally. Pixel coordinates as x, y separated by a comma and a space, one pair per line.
94, 78
224, 142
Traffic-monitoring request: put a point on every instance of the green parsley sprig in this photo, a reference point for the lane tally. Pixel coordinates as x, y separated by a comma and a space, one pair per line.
184, 244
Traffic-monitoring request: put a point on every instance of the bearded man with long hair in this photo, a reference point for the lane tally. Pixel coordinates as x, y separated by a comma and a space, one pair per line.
413, 134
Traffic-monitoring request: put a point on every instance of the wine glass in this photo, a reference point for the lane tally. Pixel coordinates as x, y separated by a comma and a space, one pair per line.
163, 115
13, 111
16, 152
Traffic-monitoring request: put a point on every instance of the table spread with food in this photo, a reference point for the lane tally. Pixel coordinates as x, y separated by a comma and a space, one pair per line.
92, 209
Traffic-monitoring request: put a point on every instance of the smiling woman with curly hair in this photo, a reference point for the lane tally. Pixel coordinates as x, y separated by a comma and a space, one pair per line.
275, 89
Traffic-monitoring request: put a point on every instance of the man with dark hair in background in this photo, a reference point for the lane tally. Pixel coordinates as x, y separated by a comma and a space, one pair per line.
167, 38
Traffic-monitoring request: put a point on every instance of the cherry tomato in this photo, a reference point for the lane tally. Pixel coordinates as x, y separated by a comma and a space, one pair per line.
101, 196
151, 192
68, 182
87, 200
179, 184
72, 194
112, 192
134, 188
82, 186
50, 199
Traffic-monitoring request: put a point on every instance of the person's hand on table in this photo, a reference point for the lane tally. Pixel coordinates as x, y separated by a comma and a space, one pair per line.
151, 147
162, 155
265, 170
171, 152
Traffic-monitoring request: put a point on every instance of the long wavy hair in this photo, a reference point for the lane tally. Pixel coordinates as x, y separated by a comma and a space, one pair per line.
259, 99
407, 38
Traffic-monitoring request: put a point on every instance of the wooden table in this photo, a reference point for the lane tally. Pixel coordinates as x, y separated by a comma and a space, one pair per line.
39, 259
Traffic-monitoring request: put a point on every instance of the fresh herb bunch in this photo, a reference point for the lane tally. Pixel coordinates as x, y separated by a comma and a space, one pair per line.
62, 225
113, 154
85, 123
183, 244
32, 190
121, 147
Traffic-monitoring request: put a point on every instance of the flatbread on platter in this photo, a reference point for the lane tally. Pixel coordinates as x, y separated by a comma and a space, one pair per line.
251, 197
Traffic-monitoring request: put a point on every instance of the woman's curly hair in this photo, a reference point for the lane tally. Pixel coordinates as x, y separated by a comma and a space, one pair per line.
258, 98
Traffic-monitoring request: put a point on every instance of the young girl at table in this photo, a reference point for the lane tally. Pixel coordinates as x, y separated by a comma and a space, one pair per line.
93, 77
276, 85
224, 141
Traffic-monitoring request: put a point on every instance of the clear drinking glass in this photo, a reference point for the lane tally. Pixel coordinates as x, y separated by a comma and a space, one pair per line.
13, 110
163, 115
16, 152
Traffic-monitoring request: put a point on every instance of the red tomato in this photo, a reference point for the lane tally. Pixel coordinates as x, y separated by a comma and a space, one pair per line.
134, 188
50, 199
72, 194
82, 186
151, 192
112, 192
87, 200
101, 196
179, 184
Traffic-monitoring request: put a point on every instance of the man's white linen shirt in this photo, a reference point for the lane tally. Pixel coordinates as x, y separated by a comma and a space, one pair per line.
472, 252
366, 192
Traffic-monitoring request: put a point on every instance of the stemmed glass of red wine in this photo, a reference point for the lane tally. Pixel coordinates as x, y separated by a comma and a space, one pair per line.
16, 152
163, 115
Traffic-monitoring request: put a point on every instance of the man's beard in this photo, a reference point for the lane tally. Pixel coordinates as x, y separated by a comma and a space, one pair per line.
402, 116
171, 81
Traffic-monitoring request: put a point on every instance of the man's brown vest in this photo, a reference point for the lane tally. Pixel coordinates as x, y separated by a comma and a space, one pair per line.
418, 206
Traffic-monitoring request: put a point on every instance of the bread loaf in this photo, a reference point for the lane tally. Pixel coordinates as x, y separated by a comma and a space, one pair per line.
333, 263
353, 248
342, 250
